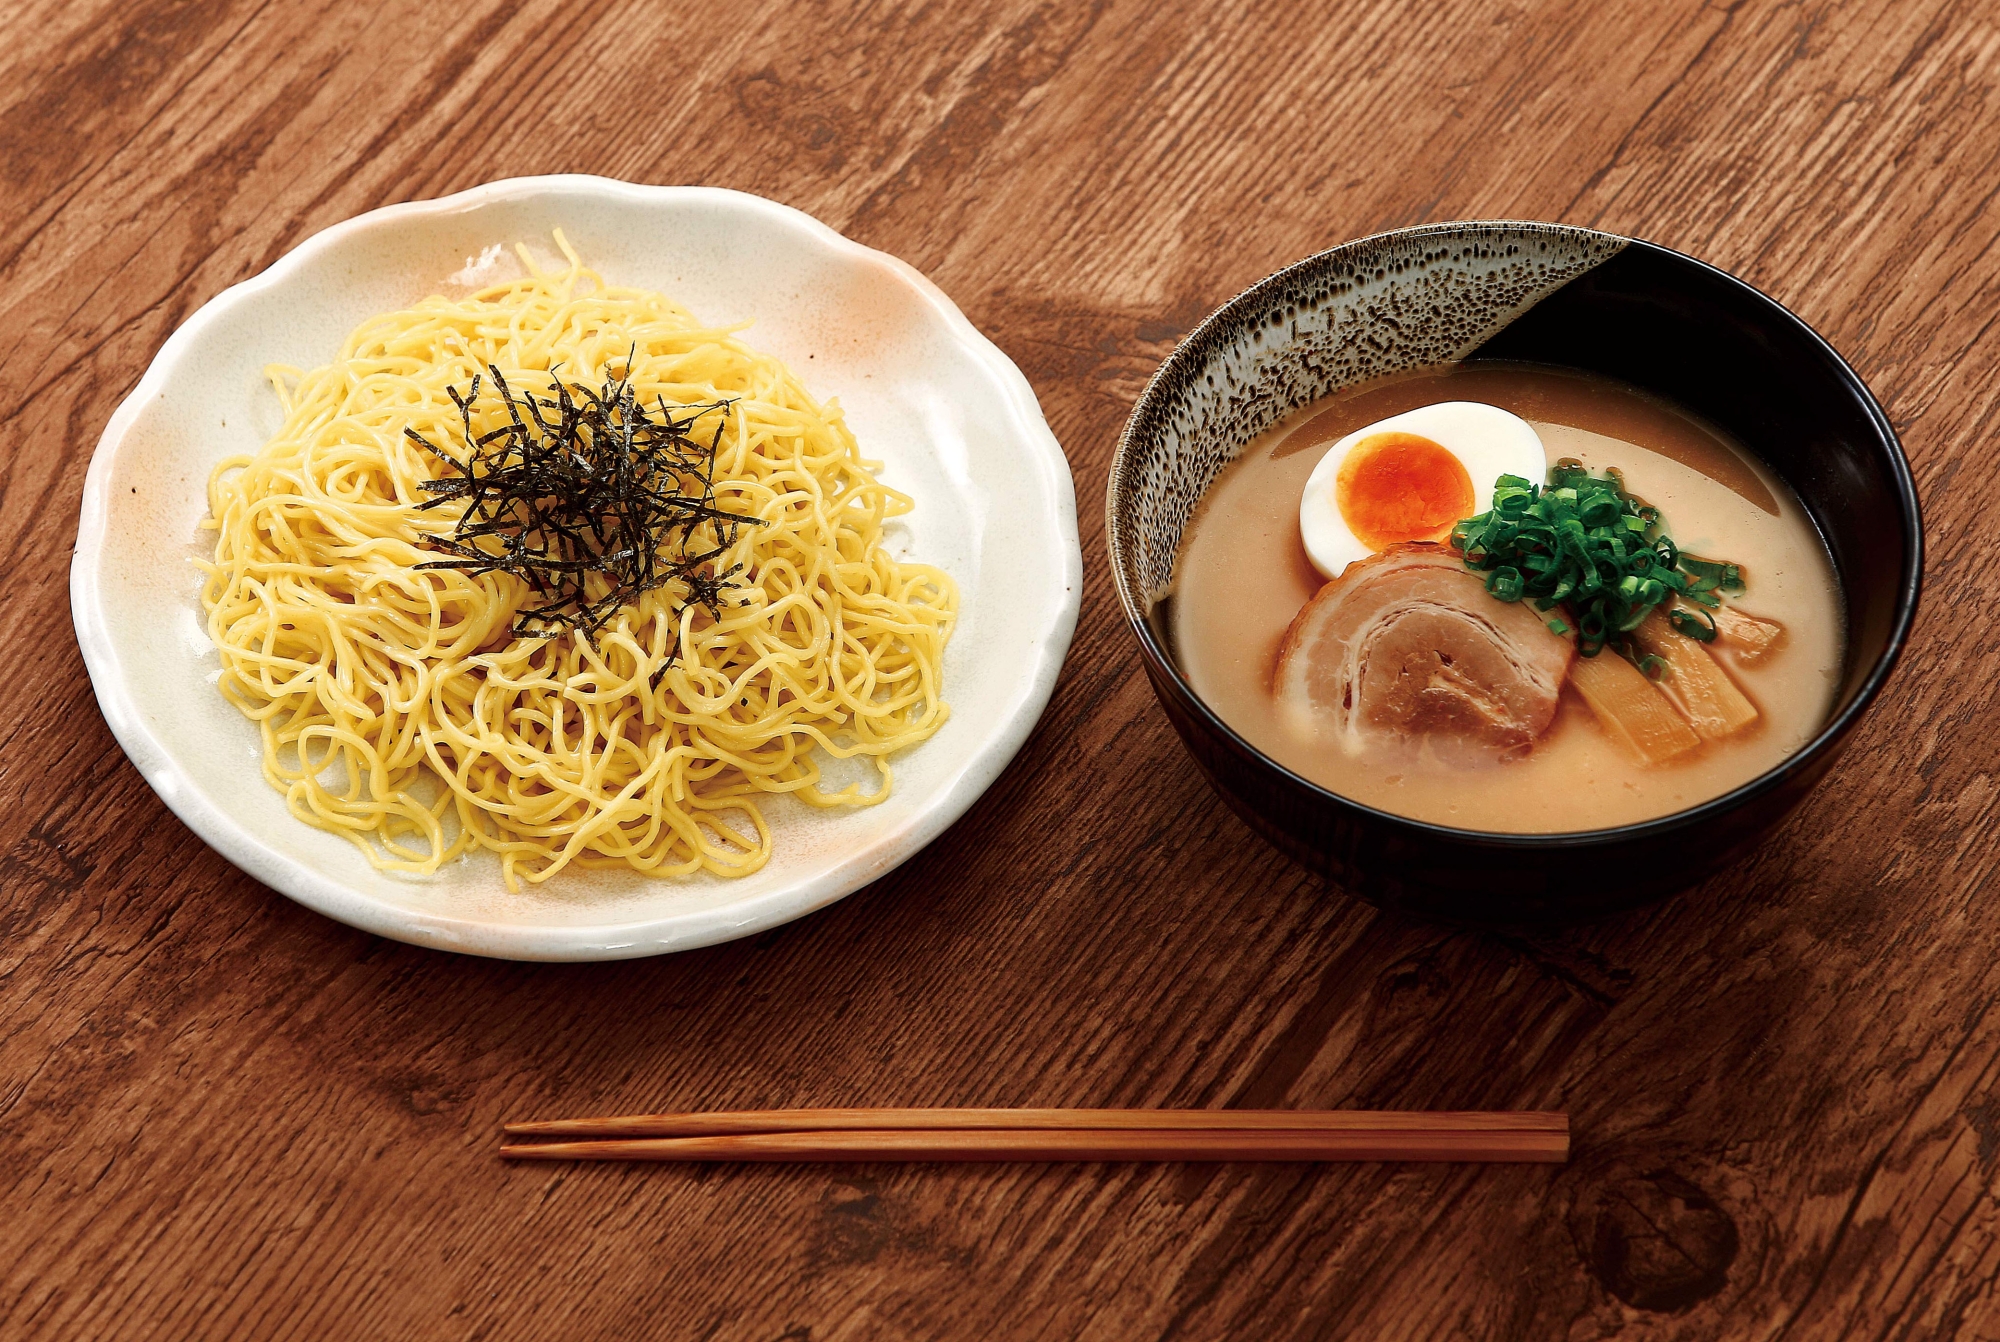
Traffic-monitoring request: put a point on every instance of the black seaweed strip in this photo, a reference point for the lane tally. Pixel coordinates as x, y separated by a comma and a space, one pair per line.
585, 484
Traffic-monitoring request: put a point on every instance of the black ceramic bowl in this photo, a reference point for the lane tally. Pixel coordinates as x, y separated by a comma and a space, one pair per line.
1539, 293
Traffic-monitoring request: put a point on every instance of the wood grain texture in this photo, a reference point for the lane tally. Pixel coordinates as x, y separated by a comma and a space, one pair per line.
221, 1115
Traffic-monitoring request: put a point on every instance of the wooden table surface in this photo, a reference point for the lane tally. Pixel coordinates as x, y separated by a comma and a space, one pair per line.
222, 1115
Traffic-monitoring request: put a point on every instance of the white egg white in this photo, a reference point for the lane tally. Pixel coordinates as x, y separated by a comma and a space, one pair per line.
1488, 441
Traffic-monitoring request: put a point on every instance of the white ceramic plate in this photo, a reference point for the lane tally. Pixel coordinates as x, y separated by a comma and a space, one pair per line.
954, 422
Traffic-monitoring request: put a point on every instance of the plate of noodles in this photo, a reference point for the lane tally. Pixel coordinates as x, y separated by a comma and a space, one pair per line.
569, 569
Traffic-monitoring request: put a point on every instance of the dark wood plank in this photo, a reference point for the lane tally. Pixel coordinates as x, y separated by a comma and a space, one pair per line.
223, 1115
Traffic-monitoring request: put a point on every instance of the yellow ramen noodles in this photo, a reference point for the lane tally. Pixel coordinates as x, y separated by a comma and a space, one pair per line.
399, 709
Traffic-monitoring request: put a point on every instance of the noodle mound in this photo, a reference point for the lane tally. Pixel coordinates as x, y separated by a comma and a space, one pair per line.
399, 709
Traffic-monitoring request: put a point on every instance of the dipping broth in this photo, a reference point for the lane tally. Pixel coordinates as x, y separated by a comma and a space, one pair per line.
1243, 575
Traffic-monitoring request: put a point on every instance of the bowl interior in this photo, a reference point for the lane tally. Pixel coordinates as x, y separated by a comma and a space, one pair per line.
953, 423
1533, 293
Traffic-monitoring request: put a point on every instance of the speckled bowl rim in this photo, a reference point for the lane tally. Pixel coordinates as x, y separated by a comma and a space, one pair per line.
1001, 740
1249, 308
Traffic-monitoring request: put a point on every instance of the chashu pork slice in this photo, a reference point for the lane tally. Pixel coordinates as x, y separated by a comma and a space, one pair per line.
1406, 648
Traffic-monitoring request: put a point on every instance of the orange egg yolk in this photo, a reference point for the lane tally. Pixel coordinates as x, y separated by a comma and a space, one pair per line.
1397, 487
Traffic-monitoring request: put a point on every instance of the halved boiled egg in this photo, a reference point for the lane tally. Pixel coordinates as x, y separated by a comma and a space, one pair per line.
1410, 477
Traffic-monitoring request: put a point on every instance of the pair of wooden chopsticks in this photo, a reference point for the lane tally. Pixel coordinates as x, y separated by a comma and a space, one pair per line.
1047, 1135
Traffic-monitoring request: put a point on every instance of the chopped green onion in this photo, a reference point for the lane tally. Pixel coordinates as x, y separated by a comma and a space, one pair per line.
1583, 543
1700, 630
1720, 575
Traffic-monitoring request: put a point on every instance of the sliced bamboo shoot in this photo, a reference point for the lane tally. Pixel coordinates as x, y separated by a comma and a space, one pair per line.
1699, 688
1631, 710
1749, 637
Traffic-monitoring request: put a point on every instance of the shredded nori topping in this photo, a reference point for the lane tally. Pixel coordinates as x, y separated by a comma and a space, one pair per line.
580, 483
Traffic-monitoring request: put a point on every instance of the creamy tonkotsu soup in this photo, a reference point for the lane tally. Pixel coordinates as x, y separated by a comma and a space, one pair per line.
1321, 608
